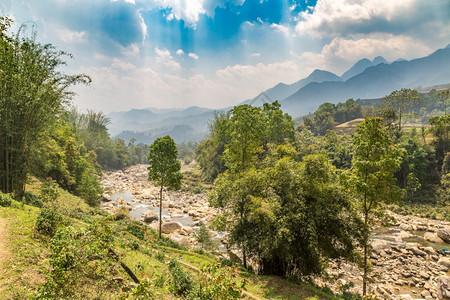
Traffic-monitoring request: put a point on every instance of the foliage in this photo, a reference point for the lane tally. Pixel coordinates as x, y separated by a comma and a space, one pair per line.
164, 167
181, 282
78, 257
218, 282
136, 230
294, 214
372, 180
328, 115
209, 151
401, 102
203, 236
48, 221
32, 96
5, 200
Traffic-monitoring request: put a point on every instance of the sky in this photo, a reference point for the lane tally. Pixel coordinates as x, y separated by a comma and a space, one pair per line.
218, 53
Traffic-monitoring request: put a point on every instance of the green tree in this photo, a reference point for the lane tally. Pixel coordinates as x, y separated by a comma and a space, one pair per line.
33, 91
402, 101
375, 160
164, 167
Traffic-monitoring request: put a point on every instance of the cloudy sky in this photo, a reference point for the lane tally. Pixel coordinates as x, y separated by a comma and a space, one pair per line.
217, 53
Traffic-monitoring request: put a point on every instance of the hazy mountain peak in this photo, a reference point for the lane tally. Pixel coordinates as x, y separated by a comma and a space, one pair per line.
357, 68
379, 60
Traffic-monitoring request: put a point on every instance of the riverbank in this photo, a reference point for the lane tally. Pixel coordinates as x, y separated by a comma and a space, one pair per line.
407, 257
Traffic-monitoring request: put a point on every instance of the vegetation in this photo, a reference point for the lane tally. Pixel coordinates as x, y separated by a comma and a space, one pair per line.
164, 168
372, 175
33, 92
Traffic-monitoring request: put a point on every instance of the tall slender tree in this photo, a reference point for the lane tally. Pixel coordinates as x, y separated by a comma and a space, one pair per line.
372, 179
164, 167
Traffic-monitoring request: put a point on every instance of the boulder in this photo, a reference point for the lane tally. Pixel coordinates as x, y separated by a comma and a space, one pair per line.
432, 237
444, 287
106, 197
444, 261
403, 235
149, 217
170, 227
379, 245
444, 234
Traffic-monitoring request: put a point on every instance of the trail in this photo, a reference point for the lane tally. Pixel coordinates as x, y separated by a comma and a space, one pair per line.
4, 253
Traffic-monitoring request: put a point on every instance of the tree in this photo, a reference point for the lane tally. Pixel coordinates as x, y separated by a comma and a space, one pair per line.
402, 101
33, 91
372, 175
164, 167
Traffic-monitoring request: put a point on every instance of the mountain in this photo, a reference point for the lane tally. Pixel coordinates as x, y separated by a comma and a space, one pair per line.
282, 90
145, 125
361, 65
374, 82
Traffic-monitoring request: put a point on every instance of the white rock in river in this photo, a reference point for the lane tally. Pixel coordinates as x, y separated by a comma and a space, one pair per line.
170, 227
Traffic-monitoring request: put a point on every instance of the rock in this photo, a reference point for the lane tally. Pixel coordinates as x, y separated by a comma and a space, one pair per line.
170, 227
106, 197
403, 235
444, 234
405, 297
425, 293
444, 261
149, 217
379, 245
444, 287
429, 250
432, 237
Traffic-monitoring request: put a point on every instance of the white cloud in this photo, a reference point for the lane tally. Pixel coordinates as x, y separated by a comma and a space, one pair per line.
165, 58
331, 17
193, 55
341, 53
256, 54
188, 10
180, 52
280, 28
69, 36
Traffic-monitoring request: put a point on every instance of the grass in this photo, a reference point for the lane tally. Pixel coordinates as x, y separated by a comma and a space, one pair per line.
27, 265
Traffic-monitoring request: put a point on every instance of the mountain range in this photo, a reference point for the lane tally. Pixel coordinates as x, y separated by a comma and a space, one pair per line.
365, 79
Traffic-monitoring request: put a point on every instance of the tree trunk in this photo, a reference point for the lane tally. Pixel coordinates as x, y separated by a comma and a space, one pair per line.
365, 241
160, 210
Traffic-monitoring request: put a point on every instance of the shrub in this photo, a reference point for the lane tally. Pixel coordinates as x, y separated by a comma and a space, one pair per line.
48, 221
136, 230
49, 191
31, 199
5, 200
218, 282
160, 256
181, 281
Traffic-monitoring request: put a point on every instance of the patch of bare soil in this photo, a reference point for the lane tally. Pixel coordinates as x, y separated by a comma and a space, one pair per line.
4, 253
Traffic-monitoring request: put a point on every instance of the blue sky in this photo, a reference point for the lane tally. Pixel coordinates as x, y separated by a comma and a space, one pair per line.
217, 53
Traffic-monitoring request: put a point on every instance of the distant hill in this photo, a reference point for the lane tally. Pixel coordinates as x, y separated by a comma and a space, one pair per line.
374, 82
282, 90
145, 125
362, 65
364, 80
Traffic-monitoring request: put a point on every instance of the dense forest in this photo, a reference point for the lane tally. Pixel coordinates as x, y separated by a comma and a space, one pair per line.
291, 197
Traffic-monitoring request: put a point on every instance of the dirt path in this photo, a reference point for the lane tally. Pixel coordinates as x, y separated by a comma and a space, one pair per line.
4, 253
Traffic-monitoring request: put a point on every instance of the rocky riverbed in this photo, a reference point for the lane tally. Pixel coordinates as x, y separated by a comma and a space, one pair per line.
181, 211
407, 258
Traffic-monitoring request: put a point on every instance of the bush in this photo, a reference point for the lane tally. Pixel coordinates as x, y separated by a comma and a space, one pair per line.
160, 256
218, 282
32, 199
136, 230
48, 221
5, 200
182, 282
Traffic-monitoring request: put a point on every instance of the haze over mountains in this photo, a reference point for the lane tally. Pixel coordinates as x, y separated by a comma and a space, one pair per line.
365, 79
